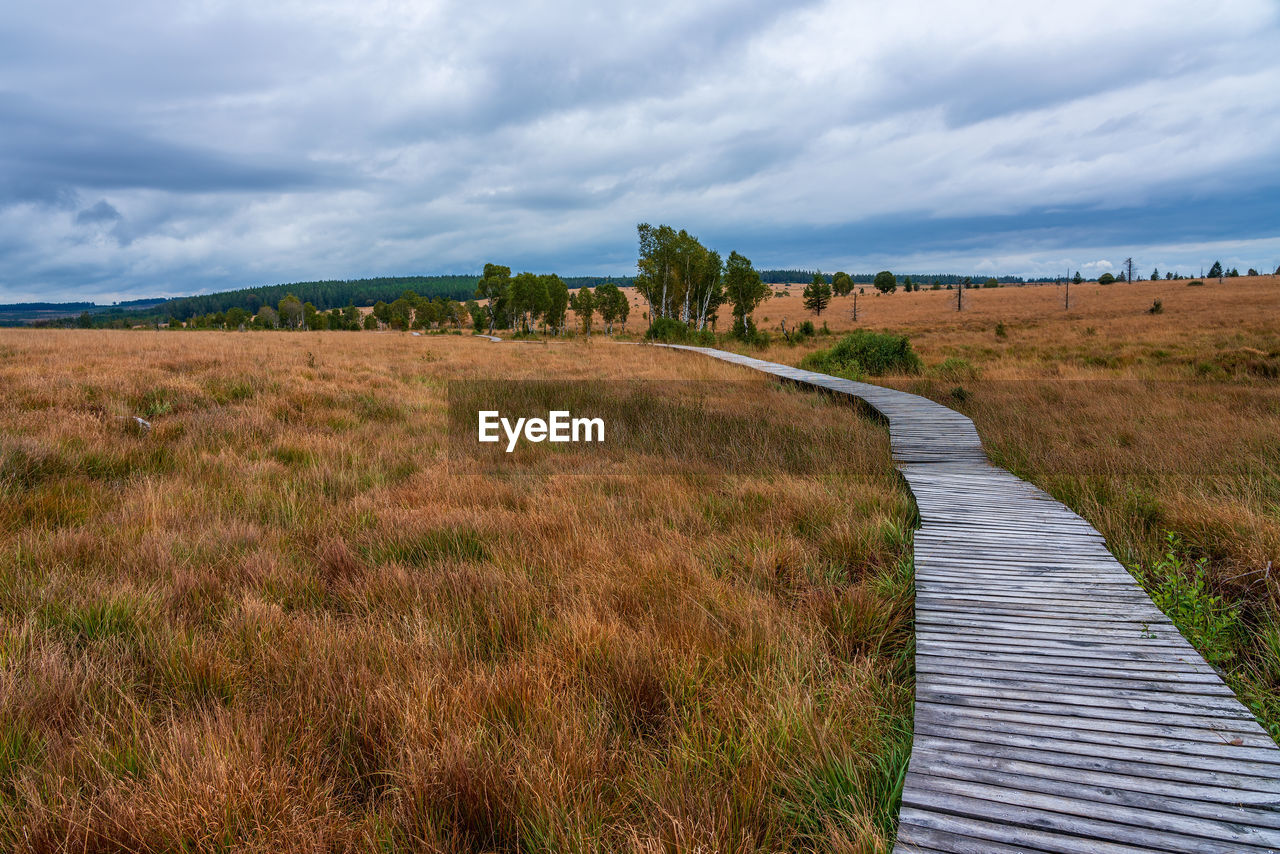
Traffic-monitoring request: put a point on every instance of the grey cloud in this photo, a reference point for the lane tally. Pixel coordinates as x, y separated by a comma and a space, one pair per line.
103, 211
250, 142
47, 154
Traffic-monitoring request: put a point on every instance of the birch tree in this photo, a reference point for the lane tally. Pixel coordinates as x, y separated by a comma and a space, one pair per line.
584, 305
745, 290
493, 287
557, 302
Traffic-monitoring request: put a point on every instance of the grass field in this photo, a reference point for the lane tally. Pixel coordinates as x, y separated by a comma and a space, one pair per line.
281, 620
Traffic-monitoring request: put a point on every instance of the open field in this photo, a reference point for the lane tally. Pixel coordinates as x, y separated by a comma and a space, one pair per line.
1145, 424
279, 622
933, 313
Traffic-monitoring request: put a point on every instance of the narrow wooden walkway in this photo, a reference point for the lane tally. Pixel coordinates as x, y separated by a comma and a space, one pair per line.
1056, 708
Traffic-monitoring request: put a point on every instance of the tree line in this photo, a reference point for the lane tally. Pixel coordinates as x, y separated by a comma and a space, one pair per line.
324, 295
528, 303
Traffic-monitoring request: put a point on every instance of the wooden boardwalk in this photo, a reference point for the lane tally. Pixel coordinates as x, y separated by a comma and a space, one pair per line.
1056, 708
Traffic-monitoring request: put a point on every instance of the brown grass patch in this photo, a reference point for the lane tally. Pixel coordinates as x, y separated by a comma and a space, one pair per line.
277, 622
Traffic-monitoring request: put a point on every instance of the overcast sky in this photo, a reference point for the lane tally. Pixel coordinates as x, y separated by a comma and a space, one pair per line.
173, 147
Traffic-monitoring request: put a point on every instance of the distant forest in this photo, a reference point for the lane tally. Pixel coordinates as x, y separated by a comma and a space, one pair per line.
783, 277
323, 295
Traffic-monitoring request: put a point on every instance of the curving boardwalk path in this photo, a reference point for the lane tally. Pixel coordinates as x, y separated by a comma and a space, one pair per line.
1056, 708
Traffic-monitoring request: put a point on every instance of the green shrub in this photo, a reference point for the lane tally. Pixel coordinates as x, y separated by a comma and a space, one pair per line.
865, 353
1157, 307
668, 330
1179, 588
807, 329
1001, 332
1195, 283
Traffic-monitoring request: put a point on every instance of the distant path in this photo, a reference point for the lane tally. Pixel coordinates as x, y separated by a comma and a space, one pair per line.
1056, 708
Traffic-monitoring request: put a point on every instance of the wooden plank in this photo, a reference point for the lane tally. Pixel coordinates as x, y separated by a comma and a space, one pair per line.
1119, 821
1231, 786
1161, 794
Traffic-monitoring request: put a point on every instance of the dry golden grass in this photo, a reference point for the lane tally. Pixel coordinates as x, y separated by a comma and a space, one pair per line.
277, 622
1116, 311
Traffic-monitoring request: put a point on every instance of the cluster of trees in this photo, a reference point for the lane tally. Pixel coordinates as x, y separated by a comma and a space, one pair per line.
527, 302
1217, 271
683, 281
678, 277
407, 311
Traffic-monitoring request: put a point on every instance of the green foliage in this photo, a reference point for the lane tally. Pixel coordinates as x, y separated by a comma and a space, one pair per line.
677, 275
745, 289
1195, 283
557, 302
1106, 279
1001, 332
584, 306
290, 312
1157, 307
1215, 272
865, 353
1179, 589
492, 287
885, 282
817, 294
612, 304
156, 401
991, 282
841, 284
668, 330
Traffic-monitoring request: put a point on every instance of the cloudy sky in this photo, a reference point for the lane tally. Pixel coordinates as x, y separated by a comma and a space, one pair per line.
172, 147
